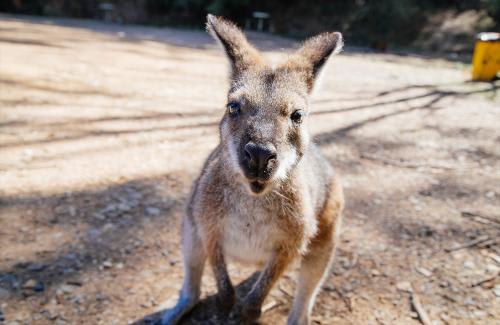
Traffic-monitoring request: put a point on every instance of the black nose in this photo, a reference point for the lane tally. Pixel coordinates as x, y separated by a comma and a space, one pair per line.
259, 156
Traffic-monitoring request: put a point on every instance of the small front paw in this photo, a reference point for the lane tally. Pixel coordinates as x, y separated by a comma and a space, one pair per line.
172, 316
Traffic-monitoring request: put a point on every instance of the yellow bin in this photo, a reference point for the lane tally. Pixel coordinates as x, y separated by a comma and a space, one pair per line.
486, 59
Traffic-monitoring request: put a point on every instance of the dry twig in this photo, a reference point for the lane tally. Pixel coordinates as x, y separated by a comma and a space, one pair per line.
271, 306
417, 306
468, 244
483, 281
469, 214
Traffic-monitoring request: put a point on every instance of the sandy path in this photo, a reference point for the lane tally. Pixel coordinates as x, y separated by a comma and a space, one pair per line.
103, 129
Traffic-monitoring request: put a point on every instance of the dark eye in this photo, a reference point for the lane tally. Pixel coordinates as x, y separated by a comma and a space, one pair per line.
233, 108
297, 116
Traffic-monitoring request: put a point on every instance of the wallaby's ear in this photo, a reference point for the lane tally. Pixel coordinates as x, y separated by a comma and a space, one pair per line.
312, 56
241, 54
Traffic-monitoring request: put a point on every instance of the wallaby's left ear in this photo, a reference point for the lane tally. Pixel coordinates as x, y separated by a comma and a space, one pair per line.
312, 56
240, 53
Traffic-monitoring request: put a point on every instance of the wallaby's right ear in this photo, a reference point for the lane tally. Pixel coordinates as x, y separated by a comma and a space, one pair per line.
241, 54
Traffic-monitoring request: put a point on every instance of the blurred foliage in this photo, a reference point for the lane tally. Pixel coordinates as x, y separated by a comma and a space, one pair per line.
376, 23
493, 9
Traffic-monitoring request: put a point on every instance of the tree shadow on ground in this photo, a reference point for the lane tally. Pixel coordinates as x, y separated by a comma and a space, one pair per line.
95, 226
433, 95
203, 312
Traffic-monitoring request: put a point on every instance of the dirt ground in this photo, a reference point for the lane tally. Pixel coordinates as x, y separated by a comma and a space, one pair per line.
103, 128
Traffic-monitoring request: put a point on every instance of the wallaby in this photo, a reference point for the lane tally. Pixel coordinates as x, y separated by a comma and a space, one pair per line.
265, 195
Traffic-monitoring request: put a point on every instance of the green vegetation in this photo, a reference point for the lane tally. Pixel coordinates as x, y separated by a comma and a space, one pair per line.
375, 23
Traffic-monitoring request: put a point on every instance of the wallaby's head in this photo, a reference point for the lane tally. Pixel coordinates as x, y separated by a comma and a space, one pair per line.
264, 127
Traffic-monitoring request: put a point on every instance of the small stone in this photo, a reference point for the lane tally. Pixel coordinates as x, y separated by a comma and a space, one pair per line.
35, 267
72, 211
30, 284
490, 194
423, 271
107, 264
119, 266
375, 272
469, 264
123, 207
99, 216
108, 226
445, 317
404, 286
152, 211
469, 301
478, 314
496, 290
413, 200
67, 288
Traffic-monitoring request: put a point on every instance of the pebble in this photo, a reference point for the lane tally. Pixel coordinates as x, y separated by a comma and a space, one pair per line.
496, 290
404, 286
99, 216
123, 207
72, 211
107, 264
469, 265
152, 211
424, 271
30, 284
35, 267
469, 301
67, 288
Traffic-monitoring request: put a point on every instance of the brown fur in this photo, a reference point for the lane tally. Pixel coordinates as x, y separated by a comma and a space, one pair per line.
287, 208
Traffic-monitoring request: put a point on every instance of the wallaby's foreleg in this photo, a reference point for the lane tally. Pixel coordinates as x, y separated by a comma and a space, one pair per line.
226, 296
194, 261
251, 308
314, 268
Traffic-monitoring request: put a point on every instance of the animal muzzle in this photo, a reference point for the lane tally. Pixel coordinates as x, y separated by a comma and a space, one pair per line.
260, 161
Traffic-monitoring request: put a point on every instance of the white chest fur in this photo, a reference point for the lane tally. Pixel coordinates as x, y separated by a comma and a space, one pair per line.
251, 234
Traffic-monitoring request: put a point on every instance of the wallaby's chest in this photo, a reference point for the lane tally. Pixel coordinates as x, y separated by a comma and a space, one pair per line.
251, 233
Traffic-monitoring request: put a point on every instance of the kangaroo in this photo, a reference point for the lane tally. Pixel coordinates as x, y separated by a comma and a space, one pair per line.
266, 195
